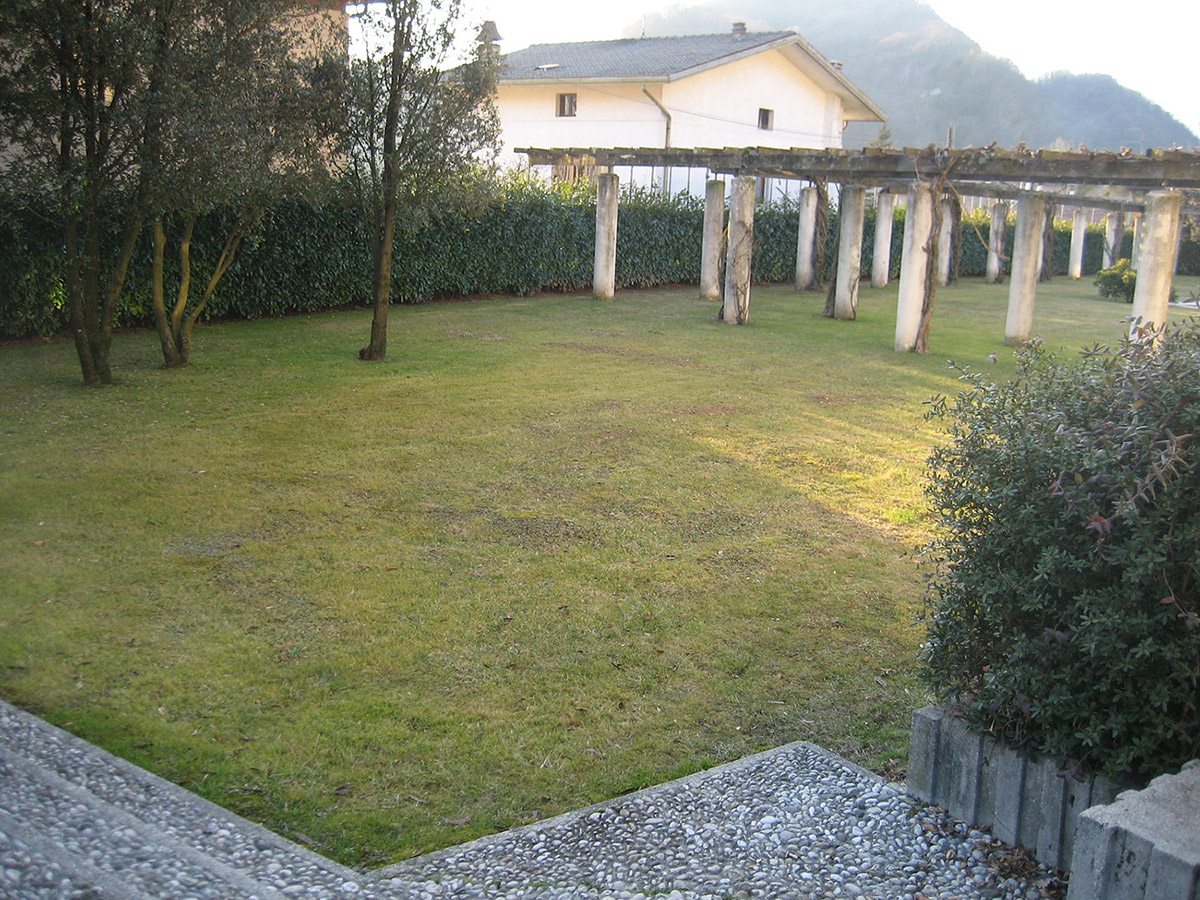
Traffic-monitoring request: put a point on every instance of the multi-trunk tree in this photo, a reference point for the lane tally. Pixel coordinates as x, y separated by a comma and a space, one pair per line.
119, 113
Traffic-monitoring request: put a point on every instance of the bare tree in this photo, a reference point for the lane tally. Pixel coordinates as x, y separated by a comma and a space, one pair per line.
416, 125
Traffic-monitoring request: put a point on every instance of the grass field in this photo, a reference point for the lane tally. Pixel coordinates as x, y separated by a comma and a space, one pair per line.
550, 551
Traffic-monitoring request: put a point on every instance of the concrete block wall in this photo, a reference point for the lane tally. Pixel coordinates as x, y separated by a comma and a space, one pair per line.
1143, 846
986, 783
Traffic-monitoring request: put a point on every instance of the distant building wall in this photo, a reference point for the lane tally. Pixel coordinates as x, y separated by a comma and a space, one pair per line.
719, 107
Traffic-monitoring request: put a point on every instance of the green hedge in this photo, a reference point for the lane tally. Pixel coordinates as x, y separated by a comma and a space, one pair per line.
1064, 586
527, 239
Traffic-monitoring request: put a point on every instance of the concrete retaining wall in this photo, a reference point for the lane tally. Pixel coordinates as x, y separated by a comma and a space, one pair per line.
1145, 846
986, 783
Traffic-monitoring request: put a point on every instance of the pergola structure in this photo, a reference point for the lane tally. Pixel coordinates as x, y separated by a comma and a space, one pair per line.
1159, 185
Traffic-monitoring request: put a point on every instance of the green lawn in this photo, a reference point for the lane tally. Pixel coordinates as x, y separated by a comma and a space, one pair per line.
551, 551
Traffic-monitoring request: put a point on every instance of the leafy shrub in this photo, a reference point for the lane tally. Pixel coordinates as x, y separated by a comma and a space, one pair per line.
1120, 281
1064, 588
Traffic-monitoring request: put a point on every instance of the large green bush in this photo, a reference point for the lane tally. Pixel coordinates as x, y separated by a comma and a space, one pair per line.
1118, 282
1064, 586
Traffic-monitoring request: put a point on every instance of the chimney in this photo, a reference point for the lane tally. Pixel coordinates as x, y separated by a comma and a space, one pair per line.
489, 33
739, 30
836, 65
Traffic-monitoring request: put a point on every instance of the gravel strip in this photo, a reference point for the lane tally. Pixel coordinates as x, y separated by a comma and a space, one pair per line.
795, 823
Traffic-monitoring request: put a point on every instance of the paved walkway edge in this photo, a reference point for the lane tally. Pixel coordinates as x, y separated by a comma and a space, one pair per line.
208, 809
415, 864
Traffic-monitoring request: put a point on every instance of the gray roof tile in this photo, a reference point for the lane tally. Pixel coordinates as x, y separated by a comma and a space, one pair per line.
651, 57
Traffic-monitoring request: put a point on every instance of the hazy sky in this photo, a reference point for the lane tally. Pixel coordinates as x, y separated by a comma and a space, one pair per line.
1148, 45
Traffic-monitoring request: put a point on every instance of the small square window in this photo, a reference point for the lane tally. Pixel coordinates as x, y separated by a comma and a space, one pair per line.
766, 119
565, 105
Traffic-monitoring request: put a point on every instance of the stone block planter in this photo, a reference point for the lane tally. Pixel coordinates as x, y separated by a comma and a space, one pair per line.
1025, 802
1144, 846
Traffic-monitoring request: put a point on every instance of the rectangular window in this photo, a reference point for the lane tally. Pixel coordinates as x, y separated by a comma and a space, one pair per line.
565, 105
766, 119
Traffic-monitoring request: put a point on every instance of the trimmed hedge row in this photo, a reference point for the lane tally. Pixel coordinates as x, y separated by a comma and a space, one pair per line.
528, 239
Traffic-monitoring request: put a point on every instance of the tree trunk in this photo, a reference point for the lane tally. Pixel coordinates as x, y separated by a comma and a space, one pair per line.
1046, 273
831, 294
246, 222
83, 347
99, 340
931, 279
956, 216
172, 358
377, 348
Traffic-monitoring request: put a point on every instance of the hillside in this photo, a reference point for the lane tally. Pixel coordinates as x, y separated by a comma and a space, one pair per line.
928, 77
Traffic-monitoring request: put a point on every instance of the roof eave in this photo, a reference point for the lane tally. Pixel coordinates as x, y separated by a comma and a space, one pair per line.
868, 111
588, 79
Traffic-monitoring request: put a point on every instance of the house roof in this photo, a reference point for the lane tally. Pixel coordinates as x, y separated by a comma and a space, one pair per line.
665, 59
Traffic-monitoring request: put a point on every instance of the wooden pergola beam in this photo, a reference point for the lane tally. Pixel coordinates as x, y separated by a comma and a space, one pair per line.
1154, 170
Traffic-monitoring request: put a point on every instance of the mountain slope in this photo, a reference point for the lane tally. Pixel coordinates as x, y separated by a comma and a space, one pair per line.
929, 77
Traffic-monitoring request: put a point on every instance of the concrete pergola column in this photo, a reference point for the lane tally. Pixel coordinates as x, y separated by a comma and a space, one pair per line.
914, 266
1114, 223
1135, 253
740, 255
1078, 233
1026, 266
881, 260
714, 231
995, 271
604, 271
806, 273
1158, 257
852, 216
946, 243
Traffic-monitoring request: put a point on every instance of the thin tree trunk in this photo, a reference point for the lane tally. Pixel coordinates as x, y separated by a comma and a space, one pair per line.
172, 358
99, 341
83, 347
377, 348
931, 277
956, 216
402, 24
831, 294
224, 261
185, 282
1046, 273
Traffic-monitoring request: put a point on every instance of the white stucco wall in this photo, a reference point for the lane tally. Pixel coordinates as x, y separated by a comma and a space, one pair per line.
606, 115
718, 107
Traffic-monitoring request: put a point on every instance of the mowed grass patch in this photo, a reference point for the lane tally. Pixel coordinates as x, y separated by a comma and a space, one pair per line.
550, 551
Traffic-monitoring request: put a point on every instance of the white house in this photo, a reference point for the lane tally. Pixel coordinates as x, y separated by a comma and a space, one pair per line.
740, 89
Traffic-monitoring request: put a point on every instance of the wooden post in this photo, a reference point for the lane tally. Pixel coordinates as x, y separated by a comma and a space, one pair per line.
604, 272
851, 217
1026, 265
881, 259
714, 232
1158, 256
914, 266
740, 255
995, 270
1078, 233
806, 272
